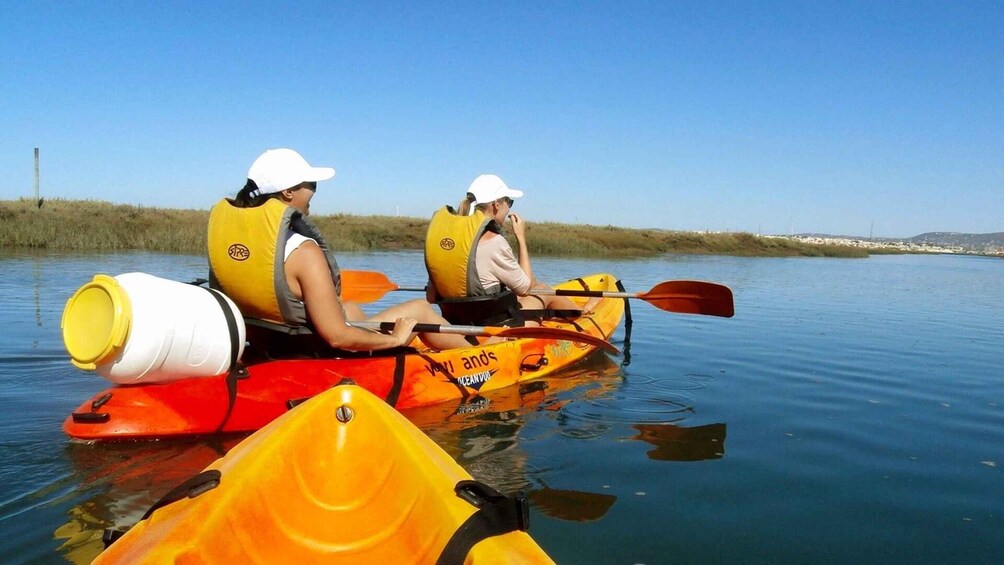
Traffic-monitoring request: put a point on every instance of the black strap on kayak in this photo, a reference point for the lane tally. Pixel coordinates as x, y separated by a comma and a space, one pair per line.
194, 486
626, 350
627, 310
236, 371
497, 514
395, 390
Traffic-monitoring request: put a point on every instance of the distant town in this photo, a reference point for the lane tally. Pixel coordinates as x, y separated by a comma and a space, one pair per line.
934, 242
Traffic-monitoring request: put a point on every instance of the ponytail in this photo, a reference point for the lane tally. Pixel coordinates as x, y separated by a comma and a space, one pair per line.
248, 196
464, 208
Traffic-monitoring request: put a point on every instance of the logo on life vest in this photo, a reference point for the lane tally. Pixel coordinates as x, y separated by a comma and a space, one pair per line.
447, 243
239, 252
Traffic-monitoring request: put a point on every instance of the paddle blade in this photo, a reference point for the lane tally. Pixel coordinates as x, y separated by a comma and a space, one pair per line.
557, 333
365, 286
691, 297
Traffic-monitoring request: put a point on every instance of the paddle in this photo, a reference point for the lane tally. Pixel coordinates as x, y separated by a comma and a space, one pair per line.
499, 331
368, 286
682, 297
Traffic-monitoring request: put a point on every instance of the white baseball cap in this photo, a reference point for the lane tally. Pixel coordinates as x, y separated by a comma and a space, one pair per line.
489, 188
279, 169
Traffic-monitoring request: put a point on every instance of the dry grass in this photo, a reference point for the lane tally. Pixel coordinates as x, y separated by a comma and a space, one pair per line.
100, 226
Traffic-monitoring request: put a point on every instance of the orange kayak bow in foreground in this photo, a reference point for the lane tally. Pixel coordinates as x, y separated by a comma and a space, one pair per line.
342, 478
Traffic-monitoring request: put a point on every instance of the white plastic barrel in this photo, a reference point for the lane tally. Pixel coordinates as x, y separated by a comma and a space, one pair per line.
138, 328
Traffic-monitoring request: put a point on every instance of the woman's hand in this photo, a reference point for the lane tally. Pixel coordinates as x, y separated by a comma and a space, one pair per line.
518, 226
403, 329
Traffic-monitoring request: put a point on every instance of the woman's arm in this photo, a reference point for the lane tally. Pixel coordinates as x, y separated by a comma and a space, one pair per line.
309, 278
519, 230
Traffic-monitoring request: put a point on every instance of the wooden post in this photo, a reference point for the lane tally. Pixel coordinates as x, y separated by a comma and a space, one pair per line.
36, 174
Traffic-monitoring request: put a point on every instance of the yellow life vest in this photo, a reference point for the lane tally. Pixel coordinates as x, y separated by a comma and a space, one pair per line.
246, 258
451, 247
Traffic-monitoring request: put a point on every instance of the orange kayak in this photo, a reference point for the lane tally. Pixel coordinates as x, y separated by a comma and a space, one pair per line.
409, 378
342, 478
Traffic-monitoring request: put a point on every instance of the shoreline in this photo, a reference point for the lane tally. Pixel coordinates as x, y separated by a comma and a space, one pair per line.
890, 246
91, 225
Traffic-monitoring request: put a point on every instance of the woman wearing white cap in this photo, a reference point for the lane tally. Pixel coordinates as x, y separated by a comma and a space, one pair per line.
467, 257
273, 263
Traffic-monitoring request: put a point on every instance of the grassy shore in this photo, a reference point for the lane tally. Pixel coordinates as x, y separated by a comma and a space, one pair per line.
89, 225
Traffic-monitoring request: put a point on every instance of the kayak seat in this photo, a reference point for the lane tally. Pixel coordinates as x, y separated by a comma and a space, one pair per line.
492, 310
497, 310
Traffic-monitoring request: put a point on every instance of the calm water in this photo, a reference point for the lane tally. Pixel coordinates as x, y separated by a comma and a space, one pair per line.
852, 411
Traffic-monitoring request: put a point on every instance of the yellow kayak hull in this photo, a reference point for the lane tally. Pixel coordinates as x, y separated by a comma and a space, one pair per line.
342, 478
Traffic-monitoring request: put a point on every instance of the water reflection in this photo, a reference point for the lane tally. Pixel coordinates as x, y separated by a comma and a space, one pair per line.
484, 435
488, 434
571, 505
678, 443
121, 481
37, 290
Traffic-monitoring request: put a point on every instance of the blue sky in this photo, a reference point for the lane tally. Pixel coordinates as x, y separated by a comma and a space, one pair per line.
754, 116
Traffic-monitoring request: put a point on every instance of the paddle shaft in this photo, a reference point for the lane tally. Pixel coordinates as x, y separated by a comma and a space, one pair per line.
543, 292
564, 292
682, 297
532, 332
597, 293
547, 292
434, 328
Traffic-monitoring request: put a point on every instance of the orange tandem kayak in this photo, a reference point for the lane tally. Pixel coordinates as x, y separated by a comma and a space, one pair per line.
342, 478
407, 378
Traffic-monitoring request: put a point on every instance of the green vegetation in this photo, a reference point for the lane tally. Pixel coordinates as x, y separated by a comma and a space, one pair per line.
563, 239
88, 225
99, 226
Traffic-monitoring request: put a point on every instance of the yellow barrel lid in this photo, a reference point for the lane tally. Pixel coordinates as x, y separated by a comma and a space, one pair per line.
96, 322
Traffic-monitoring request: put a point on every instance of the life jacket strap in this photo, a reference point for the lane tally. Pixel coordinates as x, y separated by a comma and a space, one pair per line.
236, 371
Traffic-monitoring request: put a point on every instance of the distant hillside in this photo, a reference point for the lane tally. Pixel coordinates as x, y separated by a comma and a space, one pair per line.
974, 241
836, 236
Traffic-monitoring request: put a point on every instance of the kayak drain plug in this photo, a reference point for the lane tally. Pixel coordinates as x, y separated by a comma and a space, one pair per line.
344, 413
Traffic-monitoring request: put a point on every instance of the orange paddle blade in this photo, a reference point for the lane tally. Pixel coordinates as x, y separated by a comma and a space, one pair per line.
365, 286
684, 297
691, 297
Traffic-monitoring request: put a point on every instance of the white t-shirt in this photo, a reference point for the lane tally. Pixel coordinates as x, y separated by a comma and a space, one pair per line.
292, 242
497, 264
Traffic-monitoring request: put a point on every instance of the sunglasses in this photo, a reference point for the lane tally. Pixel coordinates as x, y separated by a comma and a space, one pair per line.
309, 185
508, 201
